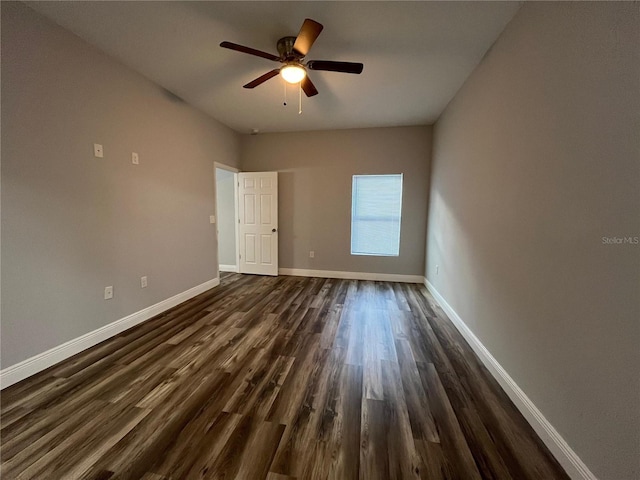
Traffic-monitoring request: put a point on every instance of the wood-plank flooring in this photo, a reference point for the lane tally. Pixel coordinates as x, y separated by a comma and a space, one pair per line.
275, 378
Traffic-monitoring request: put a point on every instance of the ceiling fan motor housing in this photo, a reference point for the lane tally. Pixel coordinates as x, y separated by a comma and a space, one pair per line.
286, 51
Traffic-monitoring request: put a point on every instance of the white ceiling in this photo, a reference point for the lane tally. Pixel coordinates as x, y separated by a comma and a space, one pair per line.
416, 55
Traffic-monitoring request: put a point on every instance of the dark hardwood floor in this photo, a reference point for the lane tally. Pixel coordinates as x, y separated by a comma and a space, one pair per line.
277, 378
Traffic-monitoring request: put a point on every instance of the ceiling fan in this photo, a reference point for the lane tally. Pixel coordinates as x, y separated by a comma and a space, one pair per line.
292, 51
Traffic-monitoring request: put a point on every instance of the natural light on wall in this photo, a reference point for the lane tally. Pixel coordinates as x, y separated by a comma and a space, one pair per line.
376, 210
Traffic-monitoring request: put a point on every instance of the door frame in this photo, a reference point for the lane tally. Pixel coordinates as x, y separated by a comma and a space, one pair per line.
236, 216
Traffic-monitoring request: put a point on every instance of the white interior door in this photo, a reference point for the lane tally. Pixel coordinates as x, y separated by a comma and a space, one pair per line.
258, 226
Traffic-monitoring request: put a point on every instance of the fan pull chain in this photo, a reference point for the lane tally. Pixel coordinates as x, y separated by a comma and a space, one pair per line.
285, 93
300, 99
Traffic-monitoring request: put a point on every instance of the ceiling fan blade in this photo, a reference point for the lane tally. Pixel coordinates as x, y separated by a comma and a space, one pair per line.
308, 87
262, 78
249, 50
308, 34
344, 67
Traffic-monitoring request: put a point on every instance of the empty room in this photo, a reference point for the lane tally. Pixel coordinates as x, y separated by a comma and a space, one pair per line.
333, 240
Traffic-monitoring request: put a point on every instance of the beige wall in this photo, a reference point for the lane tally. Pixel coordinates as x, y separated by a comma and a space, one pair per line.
316, 170
73, 224
535, 160
225, 197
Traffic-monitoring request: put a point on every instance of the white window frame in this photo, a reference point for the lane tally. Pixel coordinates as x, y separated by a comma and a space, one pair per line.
353, 205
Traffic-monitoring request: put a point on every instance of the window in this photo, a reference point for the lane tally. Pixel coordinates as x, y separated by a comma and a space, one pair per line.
376, 205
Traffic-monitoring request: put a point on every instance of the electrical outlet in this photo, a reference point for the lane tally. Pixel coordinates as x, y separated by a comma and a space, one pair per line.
97, 150
312, 254
135, 159
143, 282
108, 292
212, 219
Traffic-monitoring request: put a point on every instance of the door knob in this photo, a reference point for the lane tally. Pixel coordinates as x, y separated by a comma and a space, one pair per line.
273, 230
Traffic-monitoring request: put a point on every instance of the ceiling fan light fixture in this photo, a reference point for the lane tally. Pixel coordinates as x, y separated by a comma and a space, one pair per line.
293, 51
293, 73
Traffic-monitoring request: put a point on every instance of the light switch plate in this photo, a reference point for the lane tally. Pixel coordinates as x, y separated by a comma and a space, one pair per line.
212, 219
97, 150
108, 293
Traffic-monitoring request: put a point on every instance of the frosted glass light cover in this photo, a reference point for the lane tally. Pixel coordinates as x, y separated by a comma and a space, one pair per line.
293, 73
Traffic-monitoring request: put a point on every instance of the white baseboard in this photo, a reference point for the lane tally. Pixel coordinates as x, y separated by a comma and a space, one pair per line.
569, 460
381, 277
229, 268
42, 361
